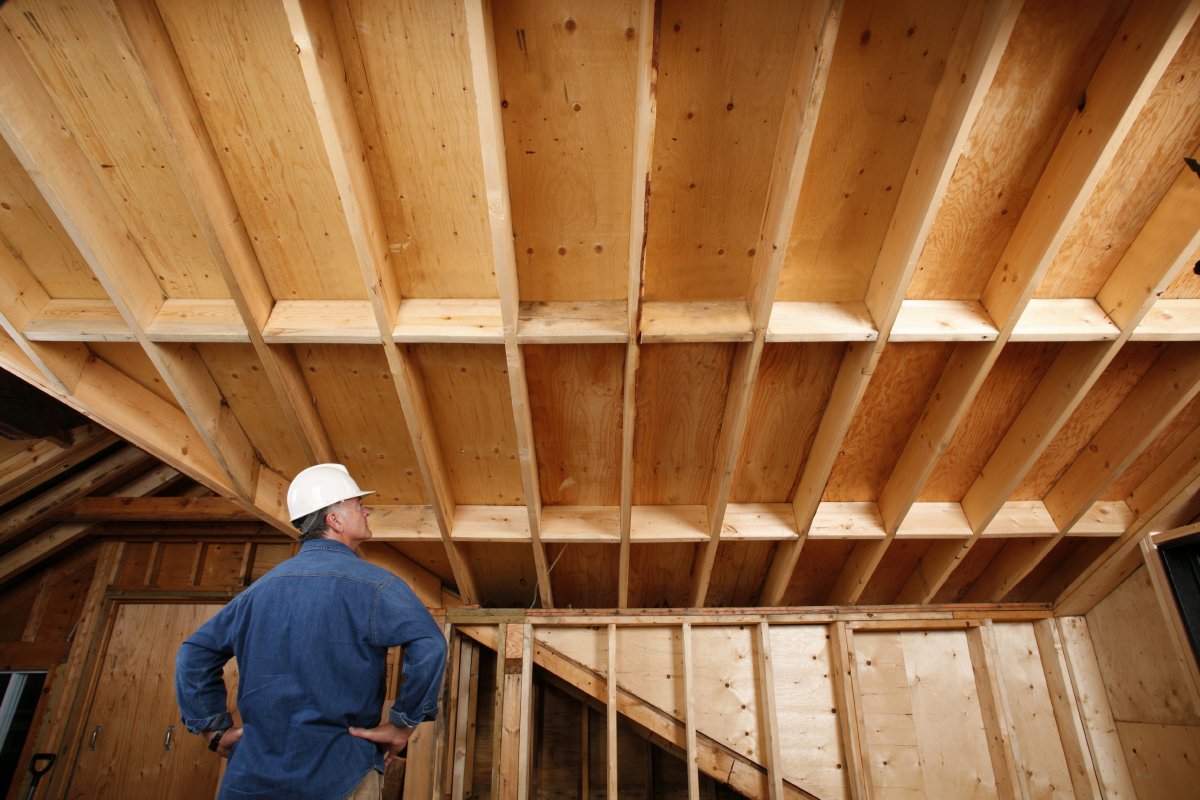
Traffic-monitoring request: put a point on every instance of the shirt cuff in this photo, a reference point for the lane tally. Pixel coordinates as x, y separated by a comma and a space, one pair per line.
401, 720
215, 722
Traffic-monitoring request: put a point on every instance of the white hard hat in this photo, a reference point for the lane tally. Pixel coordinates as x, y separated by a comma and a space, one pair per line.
320, 486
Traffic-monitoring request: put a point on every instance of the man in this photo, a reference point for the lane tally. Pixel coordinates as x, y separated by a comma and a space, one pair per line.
311, 638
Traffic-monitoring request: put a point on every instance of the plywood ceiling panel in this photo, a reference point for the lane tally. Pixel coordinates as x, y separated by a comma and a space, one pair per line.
722, 71
868, 130
77, 52
567, 77
1053, 51
576, 402
241, 64
422, 146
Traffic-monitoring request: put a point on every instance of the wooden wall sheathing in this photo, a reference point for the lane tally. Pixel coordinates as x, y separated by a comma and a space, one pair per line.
869, 126
1155, 715
421, 146
895, 397
575, 396
1052, 54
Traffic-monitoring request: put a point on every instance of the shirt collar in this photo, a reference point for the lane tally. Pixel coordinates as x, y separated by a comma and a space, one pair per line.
327, 545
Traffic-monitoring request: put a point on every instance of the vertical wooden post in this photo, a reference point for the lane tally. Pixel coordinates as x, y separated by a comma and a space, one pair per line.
612, 712
845, 675
1066, 710
464, 717
690, 714
997, 717
768, 719
524, 760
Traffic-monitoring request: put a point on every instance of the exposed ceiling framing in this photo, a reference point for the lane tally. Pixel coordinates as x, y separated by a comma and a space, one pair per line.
632, 304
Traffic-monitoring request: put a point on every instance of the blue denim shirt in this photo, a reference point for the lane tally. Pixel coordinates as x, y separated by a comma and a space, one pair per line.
311, 639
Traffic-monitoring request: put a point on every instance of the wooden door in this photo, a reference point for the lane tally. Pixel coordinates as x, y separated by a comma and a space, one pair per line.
134, 744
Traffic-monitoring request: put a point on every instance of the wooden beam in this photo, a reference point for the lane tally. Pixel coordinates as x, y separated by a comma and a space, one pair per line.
525, 755
211, 200
844, 671
22, 299
1071, 729
768, 713
644, 118
48, 504
970, 69
44, 459
811, 60
1118, 92
30, 123
997, 716
714, 759
32, 656
321, 62
689, 714
612, 774
154, 509
486, 78
1166, 390
1168, 239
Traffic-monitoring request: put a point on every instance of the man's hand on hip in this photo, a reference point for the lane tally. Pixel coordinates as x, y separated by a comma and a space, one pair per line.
390, 738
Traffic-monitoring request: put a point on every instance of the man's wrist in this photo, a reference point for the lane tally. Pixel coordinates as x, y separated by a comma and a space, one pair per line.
215, 740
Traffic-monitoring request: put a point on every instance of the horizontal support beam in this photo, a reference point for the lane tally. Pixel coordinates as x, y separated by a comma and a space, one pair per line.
156, 509
478, 321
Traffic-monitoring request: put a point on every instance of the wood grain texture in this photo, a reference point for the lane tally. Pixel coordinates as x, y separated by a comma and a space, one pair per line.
575, 398
869, 126
722, 71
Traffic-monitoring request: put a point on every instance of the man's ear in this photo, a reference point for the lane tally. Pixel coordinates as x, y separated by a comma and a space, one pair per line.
329, 518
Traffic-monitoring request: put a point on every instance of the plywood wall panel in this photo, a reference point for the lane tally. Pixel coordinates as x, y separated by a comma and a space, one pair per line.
567, 78
887, 63
645, 659
660, 575
131, 360
723, 674
1116, 382
1051, 55
681, 392
357, 402
809, 739
241, 62
416, 108
576, 402
238, 374
1162, 446
1146, 165
76, 53
1013, 379
468, 393
895, 397
902, 558
723, 67
583, 575
794, 382
1132, 639
31, 232
1161, 758
924, 729
820, 562
1019, 672
738, 573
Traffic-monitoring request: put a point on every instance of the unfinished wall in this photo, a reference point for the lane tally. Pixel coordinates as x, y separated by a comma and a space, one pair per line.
1156, 714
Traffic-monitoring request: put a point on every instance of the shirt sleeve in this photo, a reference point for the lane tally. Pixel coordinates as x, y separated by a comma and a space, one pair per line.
400, 618
199, 681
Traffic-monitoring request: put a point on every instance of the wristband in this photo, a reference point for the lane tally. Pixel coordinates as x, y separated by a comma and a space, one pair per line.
216, 739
